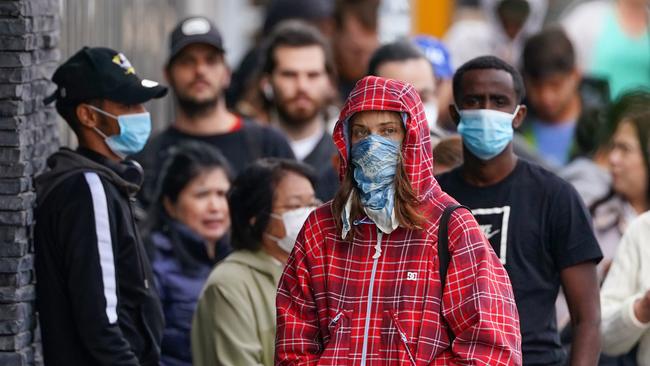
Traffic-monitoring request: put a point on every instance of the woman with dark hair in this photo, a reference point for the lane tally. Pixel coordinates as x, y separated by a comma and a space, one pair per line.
628, 134
186, 235
234, 323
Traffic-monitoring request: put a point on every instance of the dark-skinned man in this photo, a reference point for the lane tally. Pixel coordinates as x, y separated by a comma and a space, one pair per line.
96, 300
535, 222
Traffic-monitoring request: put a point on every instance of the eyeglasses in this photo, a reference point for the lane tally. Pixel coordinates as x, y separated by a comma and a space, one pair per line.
284, 208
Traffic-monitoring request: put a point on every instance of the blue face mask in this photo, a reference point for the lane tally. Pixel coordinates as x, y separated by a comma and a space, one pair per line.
134, 132
375, 161
486, 132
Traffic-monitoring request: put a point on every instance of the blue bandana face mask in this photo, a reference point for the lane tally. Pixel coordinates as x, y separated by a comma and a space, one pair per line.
375, 161
486, 132
134, 132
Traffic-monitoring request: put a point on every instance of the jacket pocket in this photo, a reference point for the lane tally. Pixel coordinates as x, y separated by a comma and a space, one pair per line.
336, 344
397, 344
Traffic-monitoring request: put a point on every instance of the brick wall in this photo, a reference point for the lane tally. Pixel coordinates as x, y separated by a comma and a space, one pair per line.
29, 34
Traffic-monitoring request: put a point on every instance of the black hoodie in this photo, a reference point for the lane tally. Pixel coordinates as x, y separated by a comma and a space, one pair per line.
96, 300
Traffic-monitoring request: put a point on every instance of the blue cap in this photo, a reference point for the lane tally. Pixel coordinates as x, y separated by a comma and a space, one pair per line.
437, 53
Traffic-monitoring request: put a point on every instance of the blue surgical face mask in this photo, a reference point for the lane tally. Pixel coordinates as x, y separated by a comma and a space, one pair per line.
375, 163
134, 132
486, 132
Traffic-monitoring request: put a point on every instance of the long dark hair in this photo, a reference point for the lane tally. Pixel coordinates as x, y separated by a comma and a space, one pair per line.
251, 198
632, 107
185, 162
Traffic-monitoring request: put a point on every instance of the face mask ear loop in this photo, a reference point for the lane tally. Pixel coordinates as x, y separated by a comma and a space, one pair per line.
101, 111
100, 132
104, 113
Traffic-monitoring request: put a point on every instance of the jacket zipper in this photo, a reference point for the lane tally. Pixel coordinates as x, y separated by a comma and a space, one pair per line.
336, 319
137, 249
366, 330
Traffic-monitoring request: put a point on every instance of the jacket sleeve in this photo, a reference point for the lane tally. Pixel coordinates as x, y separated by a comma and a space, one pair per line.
220, 336
84, 228
298, 338
621, 330
478, 302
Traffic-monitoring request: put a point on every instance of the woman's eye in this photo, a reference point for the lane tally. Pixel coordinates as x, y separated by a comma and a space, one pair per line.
201, 194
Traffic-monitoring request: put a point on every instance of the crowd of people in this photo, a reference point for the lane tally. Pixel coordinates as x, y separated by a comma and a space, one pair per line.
478, 199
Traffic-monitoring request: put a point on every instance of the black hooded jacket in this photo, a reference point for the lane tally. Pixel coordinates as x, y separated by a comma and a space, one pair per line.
95, 295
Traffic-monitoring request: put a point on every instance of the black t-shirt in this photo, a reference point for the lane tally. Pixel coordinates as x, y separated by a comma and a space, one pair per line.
537, 225
240, 147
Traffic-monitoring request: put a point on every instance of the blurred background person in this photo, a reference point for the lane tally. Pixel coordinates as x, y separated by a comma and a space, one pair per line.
625, 298
438, 54
447, 154
297, 82
198, 75
187, 235
402, 60
611, 175
629, 194
502, 32
553, 87
588, 171
355, 39
234, 323
319, 13
612, 43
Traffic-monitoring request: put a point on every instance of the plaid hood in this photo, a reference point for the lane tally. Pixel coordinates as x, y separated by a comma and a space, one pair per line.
378, 94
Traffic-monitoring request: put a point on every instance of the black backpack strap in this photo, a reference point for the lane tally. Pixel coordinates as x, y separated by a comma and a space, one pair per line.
443, 255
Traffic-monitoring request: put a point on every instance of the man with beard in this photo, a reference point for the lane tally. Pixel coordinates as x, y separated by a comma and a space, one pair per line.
197, 72
298, 79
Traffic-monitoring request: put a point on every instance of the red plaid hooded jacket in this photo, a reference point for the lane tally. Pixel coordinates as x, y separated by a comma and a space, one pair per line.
348, 303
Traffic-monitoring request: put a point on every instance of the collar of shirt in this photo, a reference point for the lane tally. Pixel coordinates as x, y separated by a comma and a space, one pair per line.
303, 147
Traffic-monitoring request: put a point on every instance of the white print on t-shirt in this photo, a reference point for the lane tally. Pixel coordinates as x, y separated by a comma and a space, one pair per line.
486, 219
487, 230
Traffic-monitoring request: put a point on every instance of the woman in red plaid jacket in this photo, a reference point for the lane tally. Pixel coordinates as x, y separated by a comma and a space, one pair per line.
362, 285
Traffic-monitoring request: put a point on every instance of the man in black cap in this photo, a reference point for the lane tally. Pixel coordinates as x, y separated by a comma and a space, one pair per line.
197, 72
96, 300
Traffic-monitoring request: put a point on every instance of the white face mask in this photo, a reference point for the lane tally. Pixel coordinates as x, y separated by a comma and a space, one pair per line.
293, 221
431, 111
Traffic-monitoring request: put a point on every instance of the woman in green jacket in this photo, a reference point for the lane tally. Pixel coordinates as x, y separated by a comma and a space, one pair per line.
234, 322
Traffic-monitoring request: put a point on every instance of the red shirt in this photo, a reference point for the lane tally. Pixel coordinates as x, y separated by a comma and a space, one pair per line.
340, 301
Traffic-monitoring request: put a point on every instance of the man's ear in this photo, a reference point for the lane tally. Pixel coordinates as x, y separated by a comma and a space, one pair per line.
576, 75
519, 118
86, 116
169, 207
453, 113
227, 77
266, 88
167, 74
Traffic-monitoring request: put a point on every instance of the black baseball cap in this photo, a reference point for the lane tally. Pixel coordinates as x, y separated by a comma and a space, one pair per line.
191, 31
102, 73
